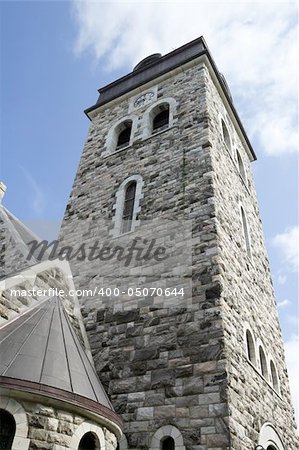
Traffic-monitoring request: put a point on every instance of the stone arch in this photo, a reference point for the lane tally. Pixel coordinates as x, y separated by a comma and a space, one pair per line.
250, 346
270, 437
18, 412
123, 443
84, 428
167, 430
262, 359
112, 136
151, 111
119, 204
273, 374
241, 166
225, 134
246, 231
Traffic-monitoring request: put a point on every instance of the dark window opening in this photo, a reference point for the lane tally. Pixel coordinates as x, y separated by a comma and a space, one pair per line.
7, 430
263, 362
161, 120
250, 347
246, 233
241, 166
124, 136
168, 444
89, 442
274, 375
128, 208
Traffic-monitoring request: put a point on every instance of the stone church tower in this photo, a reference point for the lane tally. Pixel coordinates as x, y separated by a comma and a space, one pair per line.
185, 337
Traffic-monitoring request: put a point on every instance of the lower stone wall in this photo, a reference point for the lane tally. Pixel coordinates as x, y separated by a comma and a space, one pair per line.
48, 427
44, 427
164, 368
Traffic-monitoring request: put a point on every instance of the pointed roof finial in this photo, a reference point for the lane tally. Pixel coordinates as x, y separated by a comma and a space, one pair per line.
2, 190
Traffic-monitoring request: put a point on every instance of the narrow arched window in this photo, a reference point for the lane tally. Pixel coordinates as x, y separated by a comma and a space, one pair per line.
124, 134
7, 430
89, 442
127, 205
161, 117
225, 135
241, 166
246, 233
263, 362
274, 376
128, 208
167, 443
250, 347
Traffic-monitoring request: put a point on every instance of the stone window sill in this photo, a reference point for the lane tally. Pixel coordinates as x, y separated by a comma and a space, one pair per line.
120, 235
157, 133
119, 150
263, 378
116, 151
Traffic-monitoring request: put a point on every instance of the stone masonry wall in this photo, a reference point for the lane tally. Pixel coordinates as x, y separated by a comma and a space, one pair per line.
13, 253
161, 366
53, 428
247, 297
182, 365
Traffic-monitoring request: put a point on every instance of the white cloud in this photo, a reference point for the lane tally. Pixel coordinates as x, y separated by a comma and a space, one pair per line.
283, 303
292, 352
254, 44
288, 244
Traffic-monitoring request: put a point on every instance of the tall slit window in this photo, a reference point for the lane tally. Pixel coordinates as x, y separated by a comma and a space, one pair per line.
128, 208
89, 442
274, 376
7, 430
246, 233
161, 119
225, 135
241, 166
167, 443
263, 362
123, 139
250, 347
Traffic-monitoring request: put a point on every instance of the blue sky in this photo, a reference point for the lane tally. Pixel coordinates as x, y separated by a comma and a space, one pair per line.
55, 55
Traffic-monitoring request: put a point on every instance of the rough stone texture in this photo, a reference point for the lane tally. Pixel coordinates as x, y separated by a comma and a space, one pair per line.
184, 366
247, 296
51, 428
13, 253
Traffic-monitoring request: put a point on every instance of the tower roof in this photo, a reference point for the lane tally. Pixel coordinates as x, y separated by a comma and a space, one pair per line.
156, 66
41, 349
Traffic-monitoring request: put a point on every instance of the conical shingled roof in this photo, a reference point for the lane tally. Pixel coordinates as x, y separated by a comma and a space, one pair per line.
41, 347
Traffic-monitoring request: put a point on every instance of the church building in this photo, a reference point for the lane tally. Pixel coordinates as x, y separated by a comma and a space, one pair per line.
172, 341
